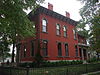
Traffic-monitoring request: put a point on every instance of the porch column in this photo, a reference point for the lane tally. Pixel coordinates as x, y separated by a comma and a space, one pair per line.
82, 53
86, 54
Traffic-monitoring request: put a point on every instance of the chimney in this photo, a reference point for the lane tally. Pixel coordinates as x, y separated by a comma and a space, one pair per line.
67, 14
50, 6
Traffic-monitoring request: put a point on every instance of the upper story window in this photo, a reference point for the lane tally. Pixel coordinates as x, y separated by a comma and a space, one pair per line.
58, 29
74, 32
44, 25
65, 31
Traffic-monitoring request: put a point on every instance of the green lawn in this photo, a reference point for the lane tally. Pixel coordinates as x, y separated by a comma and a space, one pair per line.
66, 70
63, 70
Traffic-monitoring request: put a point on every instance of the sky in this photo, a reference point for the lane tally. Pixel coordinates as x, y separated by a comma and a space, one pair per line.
60, 6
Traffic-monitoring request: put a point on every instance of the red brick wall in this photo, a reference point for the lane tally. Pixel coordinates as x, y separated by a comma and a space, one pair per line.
53, 39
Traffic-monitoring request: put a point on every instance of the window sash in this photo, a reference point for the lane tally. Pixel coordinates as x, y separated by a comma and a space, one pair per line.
66, 50
76, 49
24, 51
65, 31
44, 22
59, 49
57, 29
32, 48
64, 28
44, 25
44, 29
58, 32
74, 32
45, 48
58, 26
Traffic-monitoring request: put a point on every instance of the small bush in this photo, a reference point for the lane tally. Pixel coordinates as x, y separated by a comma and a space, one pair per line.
92, 60
51, 64
61, 63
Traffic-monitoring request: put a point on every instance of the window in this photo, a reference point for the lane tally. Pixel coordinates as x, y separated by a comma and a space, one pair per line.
66, 50
44, 25
74, 32
65, 31
76, 50
58, 29
18, 47
24, 50
32, 48
45, 47
59, 49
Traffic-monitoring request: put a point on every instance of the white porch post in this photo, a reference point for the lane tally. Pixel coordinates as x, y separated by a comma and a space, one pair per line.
87, 54
82, 53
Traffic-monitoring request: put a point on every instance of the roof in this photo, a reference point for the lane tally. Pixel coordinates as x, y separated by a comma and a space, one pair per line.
56, 15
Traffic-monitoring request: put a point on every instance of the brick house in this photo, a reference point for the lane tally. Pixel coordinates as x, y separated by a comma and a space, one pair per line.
55, 38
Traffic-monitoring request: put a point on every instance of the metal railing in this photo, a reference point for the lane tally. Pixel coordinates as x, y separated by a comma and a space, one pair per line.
63, 70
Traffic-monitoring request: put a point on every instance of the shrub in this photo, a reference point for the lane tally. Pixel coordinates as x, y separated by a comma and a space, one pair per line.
52, 64
94, 59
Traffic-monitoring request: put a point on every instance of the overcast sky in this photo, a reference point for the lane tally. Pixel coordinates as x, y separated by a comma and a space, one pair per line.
71, 6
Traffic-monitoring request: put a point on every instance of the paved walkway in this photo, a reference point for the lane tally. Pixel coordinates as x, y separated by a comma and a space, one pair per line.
92, 73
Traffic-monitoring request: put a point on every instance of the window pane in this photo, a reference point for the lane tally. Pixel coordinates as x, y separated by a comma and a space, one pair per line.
76, 49
64, 28
59, 49
24, 51
44, 25
44, 22
65, 31
58, 29
32, 48
44, 28
58, 26
65, 34
74, 32
45, 47
66, 50
58, 32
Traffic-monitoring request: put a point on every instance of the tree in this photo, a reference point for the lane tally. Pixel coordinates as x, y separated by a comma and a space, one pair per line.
80, 28
38, 57
89, 10
14, 20
90, 13
4, 48
95, 34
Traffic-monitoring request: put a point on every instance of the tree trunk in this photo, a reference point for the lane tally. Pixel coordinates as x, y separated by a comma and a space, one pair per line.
13, 50
17, 54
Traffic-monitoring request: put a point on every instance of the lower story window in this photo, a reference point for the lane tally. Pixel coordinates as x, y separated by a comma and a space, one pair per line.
59, 49
24, 51
32, 47
76, 49
45, 48
66, 50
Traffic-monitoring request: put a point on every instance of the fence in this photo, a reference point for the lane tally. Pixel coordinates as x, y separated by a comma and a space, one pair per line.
63, 70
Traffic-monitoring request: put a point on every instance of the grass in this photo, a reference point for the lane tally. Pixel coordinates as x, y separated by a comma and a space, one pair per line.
63, 70
69, 70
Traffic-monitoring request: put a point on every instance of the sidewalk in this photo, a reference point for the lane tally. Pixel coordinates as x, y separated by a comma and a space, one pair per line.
92, 73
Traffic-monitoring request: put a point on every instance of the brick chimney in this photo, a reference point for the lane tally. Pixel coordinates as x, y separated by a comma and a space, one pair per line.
50, 6
67, 14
